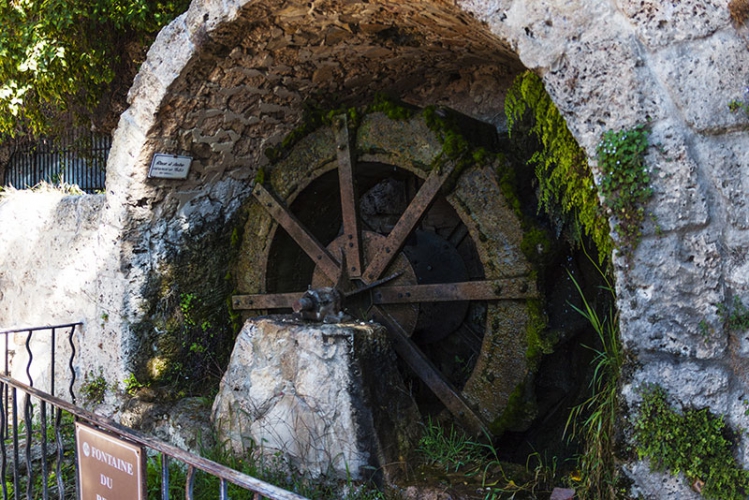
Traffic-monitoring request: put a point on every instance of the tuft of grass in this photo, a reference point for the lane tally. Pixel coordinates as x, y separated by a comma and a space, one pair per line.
448, 447
594, 420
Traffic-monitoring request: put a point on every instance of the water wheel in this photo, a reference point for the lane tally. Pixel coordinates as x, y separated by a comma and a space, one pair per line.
430, 252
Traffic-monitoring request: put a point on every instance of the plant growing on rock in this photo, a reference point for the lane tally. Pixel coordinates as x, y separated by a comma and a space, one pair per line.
625, 182
94, 387
565, 183
693, 441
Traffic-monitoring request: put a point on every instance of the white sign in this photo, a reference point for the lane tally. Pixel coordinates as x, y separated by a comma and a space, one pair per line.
165, 166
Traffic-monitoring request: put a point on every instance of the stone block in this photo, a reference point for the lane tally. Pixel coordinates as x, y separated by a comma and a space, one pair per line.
680, 199
690, 384
327, 398
652, 485
592, 100
661, 23
667, 301
703, 76
728, 158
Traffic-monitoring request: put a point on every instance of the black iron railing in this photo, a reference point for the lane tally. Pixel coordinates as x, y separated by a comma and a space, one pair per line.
53, 332
37, 444
78, 157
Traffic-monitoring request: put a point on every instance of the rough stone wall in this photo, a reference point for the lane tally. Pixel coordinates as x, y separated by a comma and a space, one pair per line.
676, 65
56, 267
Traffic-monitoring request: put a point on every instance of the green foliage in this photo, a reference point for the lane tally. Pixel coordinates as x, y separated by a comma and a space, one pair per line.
391, 107
737, 105
132, 385
736, 316
60, 56
594, 420
270, 469
539, 342
448, 447
625, 182
695, 442
565, 183
539, 476
94, 387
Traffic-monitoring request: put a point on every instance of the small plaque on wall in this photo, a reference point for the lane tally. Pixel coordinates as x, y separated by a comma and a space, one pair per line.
166, 166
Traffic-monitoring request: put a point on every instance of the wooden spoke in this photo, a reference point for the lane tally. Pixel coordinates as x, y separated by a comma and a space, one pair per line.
420, 364
265, 301
352, 247
505, 289
306, 240
410, 218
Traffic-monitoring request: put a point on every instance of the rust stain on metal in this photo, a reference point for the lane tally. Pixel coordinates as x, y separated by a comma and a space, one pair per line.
318, 253
430, 375
351, 248
507, 289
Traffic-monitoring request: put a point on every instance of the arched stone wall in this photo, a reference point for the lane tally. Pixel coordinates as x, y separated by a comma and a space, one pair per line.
228, 79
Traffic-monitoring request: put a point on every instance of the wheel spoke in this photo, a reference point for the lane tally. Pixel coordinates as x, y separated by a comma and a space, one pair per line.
413, 214
264, 301
306, 240
504, 289
424, 368
352, 248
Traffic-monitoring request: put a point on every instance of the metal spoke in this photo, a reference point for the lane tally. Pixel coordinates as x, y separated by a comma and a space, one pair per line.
506, 289
424, 368
352, 248
306, 240
413, 214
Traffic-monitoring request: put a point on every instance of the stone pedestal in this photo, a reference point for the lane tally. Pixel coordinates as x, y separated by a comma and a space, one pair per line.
327, 398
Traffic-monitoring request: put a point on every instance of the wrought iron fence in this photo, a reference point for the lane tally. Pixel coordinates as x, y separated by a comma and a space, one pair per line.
77, 157
37, 443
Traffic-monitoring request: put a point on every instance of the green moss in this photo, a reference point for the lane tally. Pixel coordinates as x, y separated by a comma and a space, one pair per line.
539, 341
537, 245
94, 387
520, 409
260, 176
189, 331
565, 183
392, 108
695, 442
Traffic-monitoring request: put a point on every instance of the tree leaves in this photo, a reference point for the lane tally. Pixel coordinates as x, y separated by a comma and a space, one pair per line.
59, 56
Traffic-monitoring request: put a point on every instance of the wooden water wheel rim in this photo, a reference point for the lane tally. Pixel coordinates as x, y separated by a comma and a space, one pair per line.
359, 273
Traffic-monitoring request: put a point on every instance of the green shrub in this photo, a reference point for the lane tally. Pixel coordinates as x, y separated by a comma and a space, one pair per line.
695, 442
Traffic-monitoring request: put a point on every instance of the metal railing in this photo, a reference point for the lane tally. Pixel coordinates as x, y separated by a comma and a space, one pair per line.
68, 329
77, 157
37, 446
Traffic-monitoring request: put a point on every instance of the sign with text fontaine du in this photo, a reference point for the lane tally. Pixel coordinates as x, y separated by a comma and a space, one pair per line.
109, 468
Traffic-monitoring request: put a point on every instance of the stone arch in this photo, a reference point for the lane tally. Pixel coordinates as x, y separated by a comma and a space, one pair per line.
224, 82
607, 65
